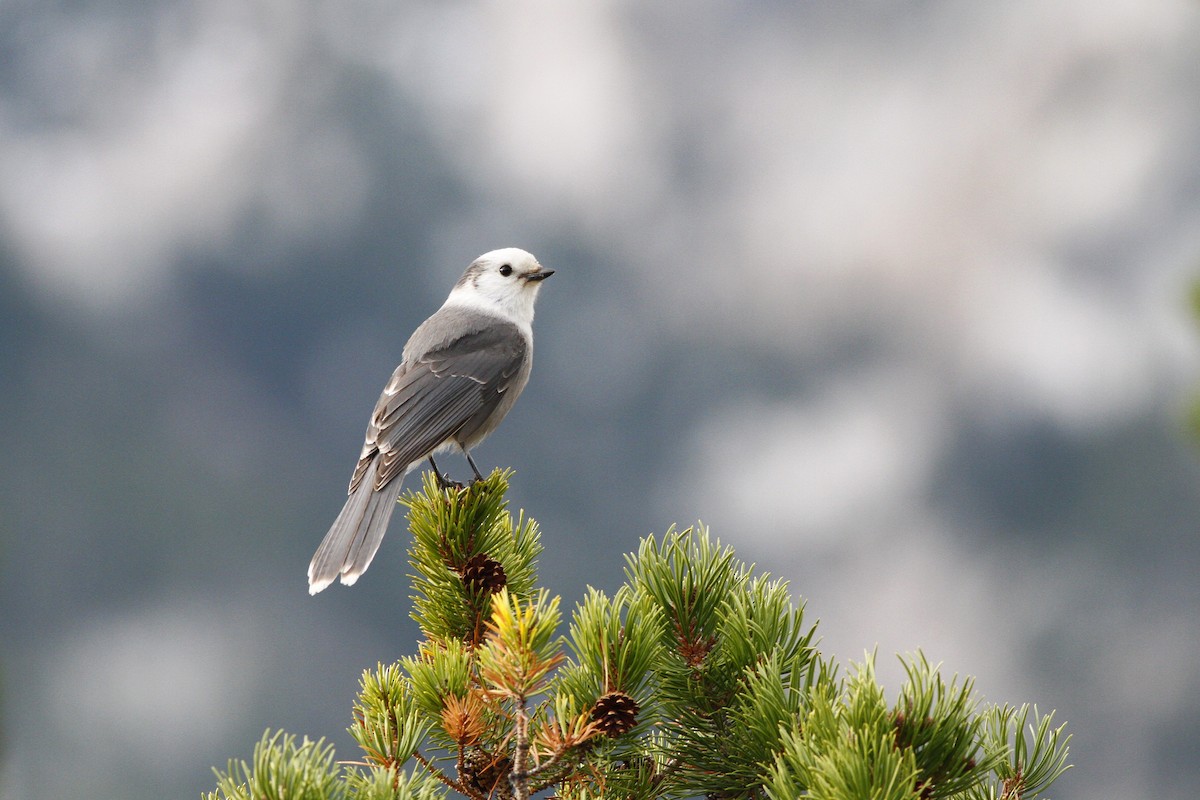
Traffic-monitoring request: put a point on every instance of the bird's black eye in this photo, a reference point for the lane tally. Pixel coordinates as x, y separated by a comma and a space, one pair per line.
506, 270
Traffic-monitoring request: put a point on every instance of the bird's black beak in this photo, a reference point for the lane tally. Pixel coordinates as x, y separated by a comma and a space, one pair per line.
540, 275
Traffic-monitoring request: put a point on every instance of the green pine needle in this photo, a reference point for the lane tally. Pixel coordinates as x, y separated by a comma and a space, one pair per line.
450, 528
698, 677
283, 769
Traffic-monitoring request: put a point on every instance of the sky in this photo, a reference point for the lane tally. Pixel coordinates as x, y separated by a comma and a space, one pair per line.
891, 296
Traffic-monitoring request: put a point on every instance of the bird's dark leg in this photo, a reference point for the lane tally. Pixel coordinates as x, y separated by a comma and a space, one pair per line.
471, 461
443, 481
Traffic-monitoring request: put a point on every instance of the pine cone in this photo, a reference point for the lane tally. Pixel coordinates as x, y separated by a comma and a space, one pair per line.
487, 774
484, 574
615, 713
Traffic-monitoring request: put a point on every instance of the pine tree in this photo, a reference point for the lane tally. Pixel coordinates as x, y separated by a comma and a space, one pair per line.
696, 678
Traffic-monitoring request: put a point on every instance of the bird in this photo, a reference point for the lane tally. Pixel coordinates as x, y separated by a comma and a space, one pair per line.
459, 375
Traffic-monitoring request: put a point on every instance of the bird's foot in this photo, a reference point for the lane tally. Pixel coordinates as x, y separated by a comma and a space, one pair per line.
445, 482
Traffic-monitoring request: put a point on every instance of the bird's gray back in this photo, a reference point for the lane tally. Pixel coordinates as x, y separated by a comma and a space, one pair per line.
496, 350
462, 371
453, 327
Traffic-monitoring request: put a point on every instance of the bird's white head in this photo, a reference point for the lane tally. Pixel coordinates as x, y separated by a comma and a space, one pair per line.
503, 282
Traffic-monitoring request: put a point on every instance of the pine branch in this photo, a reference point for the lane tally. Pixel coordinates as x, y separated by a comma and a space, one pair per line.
698, 677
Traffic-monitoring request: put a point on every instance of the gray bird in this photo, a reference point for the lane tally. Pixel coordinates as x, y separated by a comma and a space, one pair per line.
461, 372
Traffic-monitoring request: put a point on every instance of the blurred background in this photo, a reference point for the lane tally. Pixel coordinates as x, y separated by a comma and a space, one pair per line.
893, 296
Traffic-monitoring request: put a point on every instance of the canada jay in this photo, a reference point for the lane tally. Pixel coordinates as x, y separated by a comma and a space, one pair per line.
461, 372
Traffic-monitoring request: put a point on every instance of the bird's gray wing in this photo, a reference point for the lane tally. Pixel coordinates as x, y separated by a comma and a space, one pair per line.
430, 398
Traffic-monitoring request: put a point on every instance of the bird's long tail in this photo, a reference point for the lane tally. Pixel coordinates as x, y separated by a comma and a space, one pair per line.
352, 541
